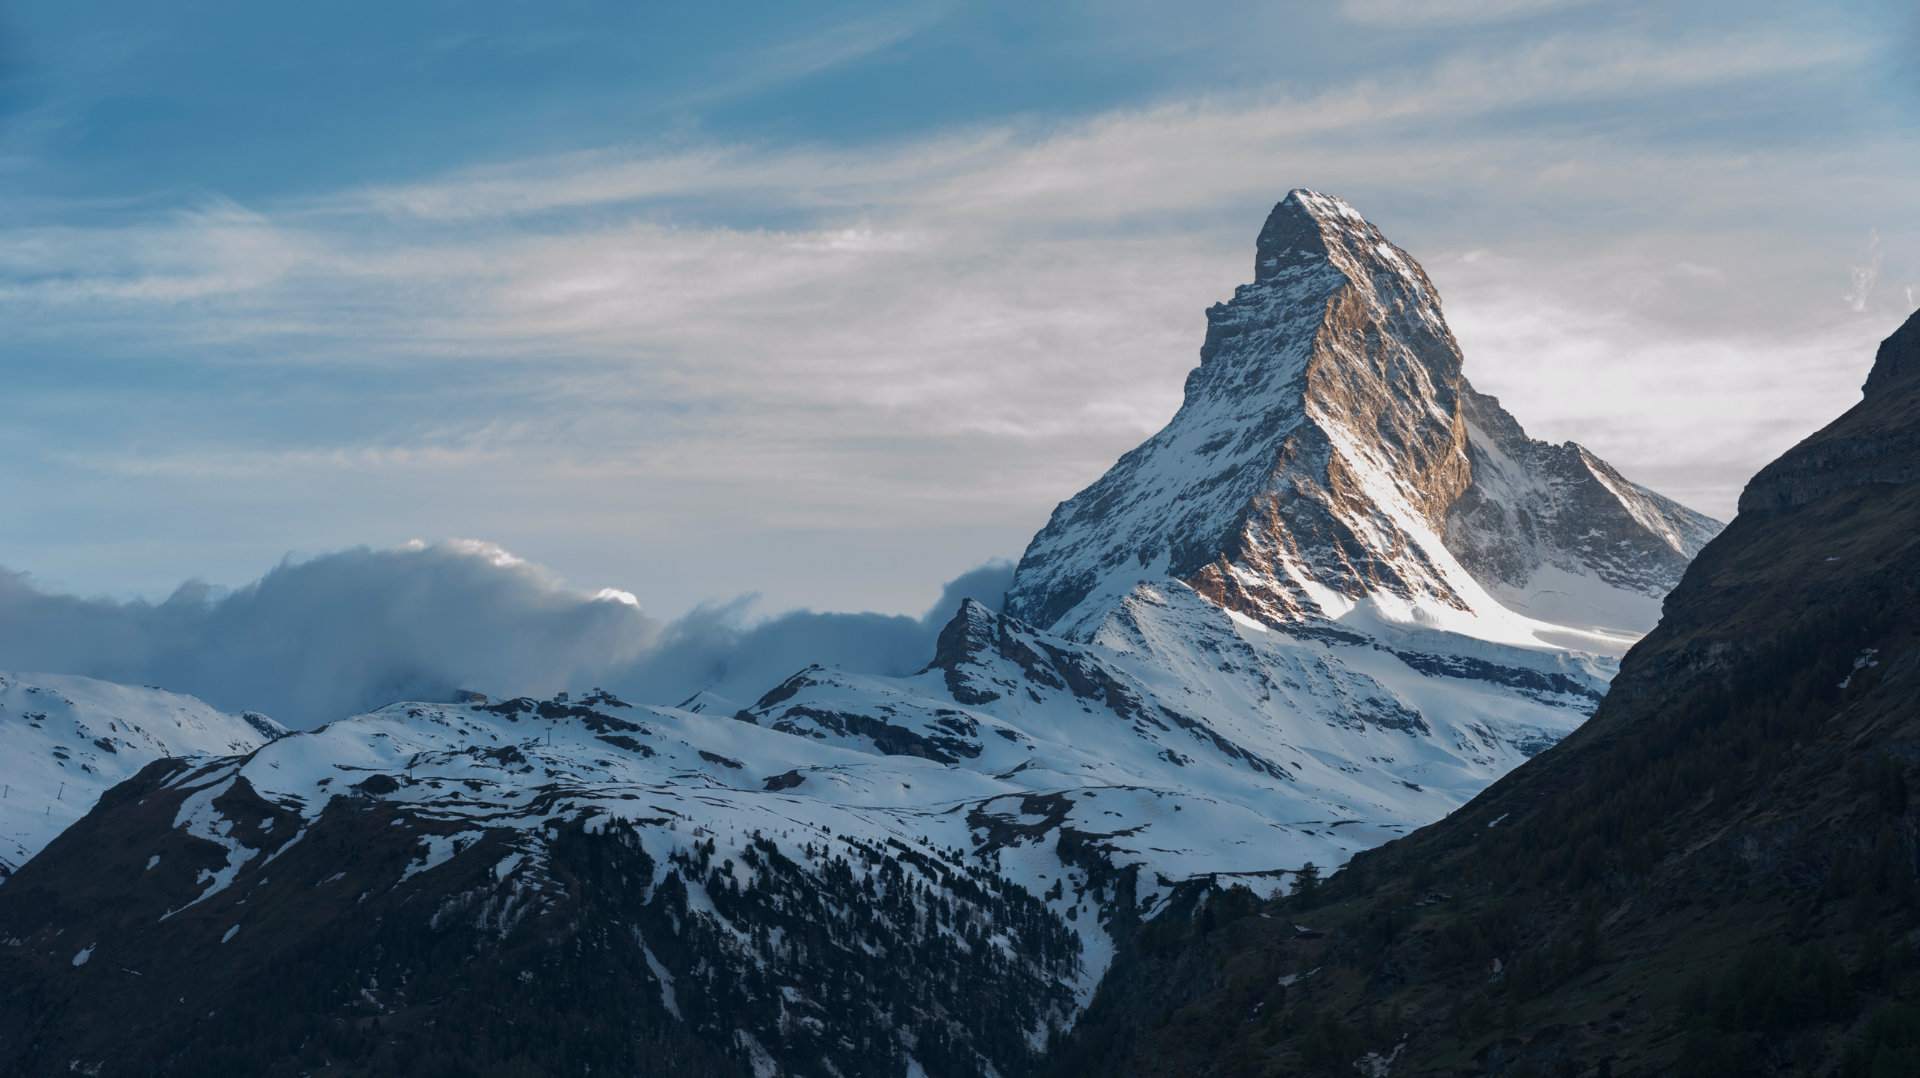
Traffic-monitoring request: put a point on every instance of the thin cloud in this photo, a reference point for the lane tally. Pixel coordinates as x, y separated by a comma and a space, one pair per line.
790, 61
1444, 12
1865, 277
1010, 165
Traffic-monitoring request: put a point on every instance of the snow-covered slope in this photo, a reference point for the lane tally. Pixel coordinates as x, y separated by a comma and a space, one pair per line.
1280, 738
996, 819
1331, 462
1556, 534
65, 740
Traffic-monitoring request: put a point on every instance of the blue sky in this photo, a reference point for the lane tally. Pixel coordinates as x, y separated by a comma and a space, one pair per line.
832, 302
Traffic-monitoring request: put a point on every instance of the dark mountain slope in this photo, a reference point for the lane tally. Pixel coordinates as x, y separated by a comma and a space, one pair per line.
1714, 876
345, 973
1874, 442
406, 925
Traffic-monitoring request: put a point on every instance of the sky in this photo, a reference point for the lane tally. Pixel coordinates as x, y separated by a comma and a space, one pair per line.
721, 311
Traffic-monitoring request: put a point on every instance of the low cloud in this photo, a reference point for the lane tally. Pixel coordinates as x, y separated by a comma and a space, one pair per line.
318, 640
713, 648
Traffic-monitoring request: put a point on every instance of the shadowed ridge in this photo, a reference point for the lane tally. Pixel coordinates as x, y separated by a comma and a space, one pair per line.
1875, 441
1291, 225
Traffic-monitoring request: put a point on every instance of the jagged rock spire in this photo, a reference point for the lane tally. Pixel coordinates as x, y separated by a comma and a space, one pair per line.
1320, 448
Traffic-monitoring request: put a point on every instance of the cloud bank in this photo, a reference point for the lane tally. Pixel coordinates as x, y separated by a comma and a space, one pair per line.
715, 649
327, 637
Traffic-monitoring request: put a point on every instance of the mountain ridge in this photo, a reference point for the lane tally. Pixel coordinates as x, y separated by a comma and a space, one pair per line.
68, 739
1866, 444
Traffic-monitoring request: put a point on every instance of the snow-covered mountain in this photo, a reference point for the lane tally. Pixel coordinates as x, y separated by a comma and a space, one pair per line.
1339, 595
1331, 462
66, 740
856, 876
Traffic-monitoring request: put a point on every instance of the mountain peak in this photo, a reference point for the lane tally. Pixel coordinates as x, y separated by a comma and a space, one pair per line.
1305, 223
1782, 679
1318, 457
1308, 228
1875, 441
1898, 359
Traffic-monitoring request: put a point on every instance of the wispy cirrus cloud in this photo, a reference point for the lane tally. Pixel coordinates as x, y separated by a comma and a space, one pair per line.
789, 61
1865, 276
1426, 12
1131, 160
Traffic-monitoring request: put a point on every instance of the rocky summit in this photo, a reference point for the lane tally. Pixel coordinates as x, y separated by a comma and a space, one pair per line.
1337, 597
1330, 457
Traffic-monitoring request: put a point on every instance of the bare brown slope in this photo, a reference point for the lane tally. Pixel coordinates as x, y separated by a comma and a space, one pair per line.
1715, 875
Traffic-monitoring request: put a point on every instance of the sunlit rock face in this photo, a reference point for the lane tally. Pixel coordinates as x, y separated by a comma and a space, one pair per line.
1330, 455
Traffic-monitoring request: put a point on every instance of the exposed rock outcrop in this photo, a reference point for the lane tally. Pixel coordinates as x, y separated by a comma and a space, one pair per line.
1329, 449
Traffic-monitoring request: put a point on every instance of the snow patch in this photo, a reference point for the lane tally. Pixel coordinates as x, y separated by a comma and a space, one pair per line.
440, 850
660, 974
